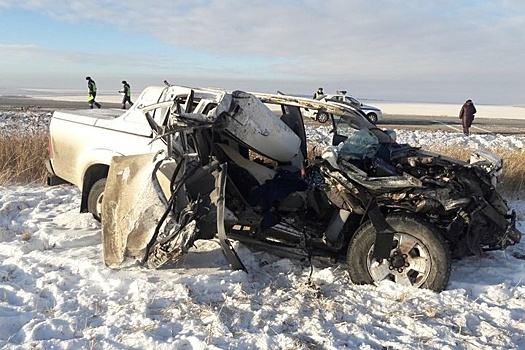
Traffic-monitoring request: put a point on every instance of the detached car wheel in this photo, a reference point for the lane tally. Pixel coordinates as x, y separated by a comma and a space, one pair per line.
96, 193
322, 117
420, 257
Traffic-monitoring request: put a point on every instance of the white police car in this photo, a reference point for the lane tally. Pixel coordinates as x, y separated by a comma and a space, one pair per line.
374, 114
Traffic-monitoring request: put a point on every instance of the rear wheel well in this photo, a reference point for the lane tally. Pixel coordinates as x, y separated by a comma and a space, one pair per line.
92, 175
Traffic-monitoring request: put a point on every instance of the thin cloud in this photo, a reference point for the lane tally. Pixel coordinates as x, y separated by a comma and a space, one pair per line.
358, 33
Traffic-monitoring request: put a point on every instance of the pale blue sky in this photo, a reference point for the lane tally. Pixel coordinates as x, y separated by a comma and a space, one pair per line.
410, 50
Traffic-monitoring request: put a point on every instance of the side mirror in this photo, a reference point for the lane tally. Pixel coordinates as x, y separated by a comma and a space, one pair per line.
392, 134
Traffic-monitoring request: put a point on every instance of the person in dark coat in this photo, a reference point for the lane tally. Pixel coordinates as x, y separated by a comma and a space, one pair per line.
126, 90
318, 94
92, 93
467, 115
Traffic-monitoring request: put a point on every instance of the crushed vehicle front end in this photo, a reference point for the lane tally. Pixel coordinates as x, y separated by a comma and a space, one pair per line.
372, 177
459, 197
476, 217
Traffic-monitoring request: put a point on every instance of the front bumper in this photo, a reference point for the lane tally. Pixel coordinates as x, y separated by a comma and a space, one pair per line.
512, 234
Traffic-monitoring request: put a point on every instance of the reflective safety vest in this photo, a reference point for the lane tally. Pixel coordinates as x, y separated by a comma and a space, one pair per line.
92, 87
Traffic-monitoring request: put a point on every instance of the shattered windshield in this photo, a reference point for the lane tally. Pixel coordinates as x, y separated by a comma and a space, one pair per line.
360, 135
360, 144
355, 143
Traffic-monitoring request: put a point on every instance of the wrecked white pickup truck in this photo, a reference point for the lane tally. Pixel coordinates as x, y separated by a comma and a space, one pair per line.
231, 168
83, 142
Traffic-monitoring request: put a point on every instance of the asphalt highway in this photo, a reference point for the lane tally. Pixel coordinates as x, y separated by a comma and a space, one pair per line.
34, 104
453, 124
410, 122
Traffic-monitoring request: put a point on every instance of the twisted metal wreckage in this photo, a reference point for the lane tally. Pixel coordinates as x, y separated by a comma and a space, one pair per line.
242, 171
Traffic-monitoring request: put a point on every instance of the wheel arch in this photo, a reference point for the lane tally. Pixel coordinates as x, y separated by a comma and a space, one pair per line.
376, 213
94, 173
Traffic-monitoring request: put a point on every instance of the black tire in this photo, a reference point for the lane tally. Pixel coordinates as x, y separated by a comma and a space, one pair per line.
372, 117
96, 193
418, 246
322, 117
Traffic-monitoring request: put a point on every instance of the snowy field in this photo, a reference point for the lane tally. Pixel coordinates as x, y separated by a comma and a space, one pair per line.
56, 293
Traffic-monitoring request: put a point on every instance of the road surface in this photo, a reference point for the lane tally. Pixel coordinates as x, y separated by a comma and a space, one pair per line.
35, 104
453, 124
410, 122
450, 124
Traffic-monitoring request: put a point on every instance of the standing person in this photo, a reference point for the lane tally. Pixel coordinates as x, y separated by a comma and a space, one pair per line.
126, 90
467, 115
318, 94
92, 93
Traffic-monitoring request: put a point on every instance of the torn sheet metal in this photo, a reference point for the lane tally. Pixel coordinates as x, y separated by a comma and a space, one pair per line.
131, 207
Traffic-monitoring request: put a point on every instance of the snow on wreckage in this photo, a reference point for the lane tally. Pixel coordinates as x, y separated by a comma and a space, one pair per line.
239, 171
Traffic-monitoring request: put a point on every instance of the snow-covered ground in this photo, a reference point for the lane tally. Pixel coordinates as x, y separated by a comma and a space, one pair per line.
56, 292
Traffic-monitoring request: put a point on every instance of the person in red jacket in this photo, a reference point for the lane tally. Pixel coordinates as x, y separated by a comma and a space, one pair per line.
467, 115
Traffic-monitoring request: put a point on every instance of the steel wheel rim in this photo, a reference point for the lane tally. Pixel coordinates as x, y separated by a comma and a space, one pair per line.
408, 250
98, 205
322, 118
